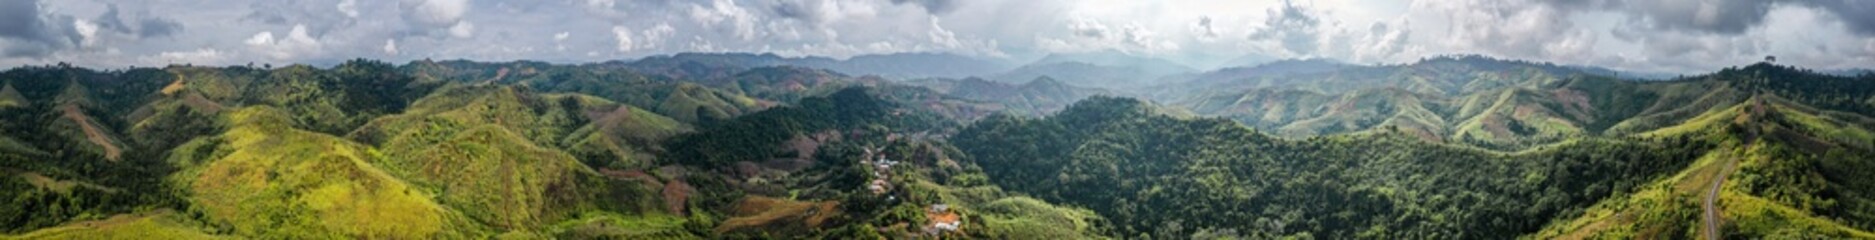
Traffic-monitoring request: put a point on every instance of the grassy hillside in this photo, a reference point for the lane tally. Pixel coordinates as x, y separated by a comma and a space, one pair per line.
734, 146
1782, 178
264, 178
163, 224
1144, 171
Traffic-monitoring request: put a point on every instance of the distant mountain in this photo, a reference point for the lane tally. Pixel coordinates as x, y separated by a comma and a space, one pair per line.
1268, 69
918, 65
1249, 60
1635, 75
1040, 96
1104, 69
1453, 75
1851, 72
1498, 104
896, 65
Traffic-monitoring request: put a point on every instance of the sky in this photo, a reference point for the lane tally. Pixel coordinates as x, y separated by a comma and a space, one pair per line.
1674, 36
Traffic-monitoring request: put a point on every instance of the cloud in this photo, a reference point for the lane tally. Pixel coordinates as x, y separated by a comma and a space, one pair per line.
462, 29
657, 34
624, 36
933, 6
727, 18
297, 43
435, 13
348, 7
200, 55
1859, 15
1204, 28
1713, 16
142, 27
1298, 29
1671, 35
25, 31
390, 46
260, 39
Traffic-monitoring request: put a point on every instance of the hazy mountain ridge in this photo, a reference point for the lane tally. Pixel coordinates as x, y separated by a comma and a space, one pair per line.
1104, 69
909, 65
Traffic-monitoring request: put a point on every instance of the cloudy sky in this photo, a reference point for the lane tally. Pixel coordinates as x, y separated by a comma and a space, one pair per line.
1642, 35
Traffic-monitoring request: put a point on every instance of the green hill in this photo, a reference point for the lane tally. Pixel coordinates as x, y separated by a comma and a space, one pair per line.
264, 178
162, 224
1143, 170
1788, 170
11, 98
743, 146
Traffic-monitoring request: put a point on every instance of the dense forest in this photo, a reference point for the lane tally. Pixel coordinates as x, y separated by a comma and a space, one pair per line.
735, 146
1156, 175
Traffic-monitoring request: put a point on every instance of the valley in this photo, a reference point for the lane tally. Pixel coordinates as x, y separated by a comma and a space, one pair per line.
746, 146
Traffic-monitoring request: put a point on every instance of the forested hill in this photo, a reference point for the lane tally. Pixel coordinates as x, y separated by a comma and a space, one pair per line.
727, 147
461, 150
1161, 176
1760, 151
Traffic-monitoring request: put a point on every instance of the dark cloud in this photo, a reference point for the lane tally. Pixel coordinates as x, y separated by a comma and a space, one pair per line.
1204, 27
27, 32
932, 6
1858, 15
143, 27
806, 11
319, 16
1296, 27
20, 19
1716, 16
1705, 16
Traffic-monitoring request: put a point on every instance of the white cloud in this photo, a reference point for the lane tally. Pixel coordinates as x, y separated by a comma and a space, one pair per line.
261, 39
390, 46
624, 36
725, 16
87, 32
349, 8
198, 56
462, 29
1669, 35
657, 34
436, 13
296, 43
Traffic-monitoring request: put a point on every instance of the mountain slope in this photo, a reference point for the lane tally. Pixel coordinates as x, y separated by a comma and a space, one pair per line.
1775, 182
1143, 169
273, 180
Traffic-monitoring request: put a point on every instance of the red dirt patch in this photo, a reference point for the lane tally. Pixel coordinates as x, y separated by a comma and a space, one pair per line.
1496, 126
943, 220
1576, 101
765, 214
202, 104
677, 196
173, 86
92, 132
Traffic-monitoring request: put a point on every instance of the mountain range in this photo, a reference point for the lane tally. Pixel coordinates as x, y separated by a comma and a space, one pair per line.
1071, 146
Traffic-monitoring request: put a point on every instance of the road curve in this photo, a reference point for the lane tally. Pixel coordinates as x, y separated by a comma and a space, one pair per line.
1711, 200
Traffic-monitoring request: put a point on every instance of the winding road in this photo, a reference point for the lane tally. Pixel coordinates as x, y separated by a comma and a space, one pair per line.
1712, 196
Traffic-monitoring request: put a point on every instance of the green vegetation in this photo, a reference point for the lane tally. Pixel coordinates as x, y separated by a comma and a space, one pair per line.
1145, 171
266, 179
736, 147
152, 225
